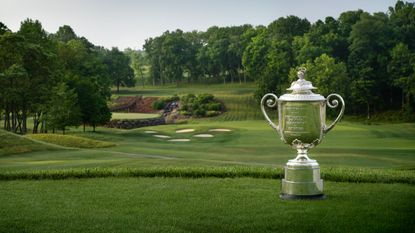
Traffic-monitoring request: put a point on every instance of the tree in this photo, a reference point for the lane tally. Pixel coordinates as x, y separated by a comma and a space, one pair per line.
370, 40
402, 17
401, 71
287, 28
119, 69
63, 109
328, 75
65, 33
3, 28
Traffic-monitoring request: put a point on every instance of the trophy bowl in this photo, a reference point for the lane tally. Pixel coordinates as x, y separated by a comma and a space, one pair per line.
302, 125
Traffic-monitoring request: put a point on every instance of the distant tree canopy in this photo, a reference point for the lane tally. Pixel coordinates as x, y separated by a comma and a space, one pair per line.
58, 79
368, 58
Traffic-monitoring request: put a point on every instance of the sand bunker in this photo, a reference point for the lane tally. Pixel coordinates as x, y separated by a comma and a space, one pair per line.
150, 131
179, 140
203, 135
185, 130
161, 136
220, 130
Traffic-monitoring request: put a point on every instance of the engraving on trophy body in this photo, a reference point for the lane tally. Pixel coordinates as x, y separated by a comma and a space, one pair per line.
301, 122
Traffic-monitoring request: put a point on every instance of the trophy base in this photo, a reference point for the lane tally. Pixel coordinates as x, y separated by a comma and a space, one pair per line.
302, 197
302, 181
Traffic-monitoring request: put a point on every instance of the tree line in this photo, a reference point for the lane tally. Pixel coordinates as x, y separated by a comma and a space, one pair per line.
59, 79
367, 58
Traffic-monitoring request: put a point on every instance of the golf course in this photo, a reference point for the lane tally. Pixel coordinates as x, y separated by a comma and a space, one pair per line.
131, 180
207, 116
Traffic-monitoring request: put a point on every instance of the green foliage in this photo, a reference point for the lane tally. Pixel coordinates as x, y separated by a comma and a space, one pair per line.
62, 109
326, 74
201, 105
158, 104
71, 141
118, 65
402, 72
162, 102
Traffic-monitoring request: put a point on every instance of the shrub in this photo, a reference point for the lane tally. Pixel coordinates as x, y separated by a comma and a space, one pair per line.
172, 99
158, 104
200, 112
212, 113
214, 106
205, 98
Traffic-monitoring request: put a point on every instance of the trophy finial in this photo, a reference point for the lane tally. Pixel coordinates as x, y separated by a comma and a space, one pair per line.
301, 73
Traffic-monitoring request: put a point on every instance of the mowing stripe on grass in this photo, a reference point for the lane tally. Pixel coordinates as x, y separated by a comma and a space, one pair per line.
331, 174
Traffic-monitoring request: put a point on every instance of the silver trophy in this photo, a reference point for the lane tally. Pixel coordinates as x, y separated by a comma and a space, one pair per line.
302, 124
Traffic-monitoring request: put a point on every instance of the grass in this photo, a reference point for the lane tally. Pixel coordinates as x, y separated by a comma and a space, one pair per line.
228, 183
129, 116
70, 141
250, 143
405, 176
199, 205
14, 144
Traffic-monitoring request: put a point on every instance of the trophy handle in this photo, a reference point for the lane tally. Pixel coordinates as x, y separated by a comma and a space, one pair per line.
270, 102
333, 104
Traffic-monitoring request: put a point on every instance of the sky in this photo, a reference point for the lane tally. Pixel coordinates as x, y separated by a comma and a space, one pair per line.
128, 23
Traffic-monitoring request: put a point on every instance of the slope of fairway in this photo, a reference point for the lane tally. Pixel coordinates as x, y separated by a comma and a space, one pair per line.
133, 116
70, 141
200, 205
14, 144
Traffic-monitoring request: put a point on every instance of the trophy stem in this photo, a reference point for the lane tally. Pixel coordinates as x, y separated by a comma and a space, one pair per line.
302, 155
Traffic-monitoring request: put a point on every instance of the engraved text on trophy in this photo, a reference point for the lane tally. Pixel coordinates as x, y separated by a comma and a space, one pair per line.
301, 121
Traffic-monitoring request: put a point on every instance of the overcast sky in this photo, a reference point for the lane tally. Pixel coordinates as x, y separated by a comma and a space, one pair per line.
127, 23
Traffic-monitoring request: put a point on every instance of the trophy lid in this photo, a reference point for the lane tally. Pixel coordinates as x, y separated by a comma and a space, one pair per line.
301, 90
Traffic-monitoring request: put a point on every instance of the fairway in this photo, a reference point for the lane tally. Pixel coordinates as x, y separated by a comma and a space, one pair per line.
130, 116
199, 205
250, 143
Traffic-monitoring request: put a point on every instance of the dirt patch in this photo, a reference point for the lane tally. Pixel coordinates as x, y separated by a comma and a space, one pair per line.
136, 104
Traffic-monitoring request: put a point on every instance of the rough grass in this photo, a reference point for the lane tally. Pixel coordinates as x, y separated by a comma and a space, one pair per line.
200, 205
329, 174
14, 144
70, 141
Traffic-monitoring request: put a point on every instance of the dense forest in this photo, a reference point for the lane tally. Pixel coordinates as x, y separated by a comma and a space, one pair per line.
59, 79
367, 58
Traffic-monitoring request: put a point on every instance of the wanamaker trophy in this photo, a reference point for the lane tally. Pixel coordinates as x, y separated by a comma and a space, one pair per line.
302, 125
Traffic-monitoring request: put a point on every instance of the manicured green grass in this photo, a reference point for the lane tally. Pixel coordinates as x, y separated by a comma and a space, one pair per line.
126, 116
199, 205
250, 143
70, 141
